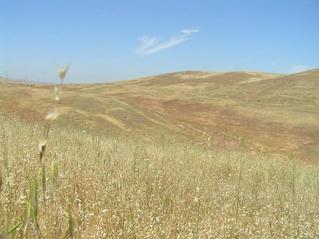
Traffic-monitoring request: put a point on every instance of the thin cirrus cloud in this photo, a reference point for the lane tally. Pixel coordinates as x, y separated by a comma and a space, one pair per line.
150, 45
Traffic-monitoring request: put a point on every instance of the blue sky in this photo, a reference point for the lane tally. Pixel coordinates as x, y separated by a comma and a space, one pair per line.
117, 40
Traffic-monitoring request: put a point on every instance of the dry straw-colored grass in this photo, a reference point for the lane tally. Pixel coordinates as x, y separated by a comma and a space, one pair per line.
119, 186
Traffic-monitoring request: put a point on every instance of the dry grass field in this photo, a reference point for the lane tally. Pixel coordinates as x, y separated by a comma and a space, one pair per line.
180, 155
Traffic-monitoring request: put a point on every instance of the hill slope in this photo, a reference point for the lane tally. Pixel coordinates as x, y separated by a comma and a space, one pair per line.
269, 112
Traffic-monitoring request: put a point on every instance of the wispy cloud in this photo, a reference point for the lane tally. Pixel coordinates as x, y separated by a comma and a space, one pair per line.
299, 68
150, 45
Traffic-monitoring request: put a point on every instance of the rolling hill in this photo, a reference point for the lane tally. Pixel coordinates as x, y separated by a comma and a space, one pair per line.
239, 110
179, 155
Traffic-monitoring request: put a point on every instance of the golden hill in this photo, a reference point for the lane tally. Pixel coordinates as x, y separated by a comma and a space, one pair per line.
251, 110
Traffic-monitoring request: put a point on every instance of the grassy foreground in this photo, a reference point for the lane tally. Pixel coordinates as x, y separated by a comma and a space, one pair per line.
123, 186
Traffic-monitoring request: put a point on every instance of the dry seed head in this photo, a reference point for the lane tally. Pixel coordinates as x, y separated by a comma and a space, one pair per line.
57, 93
52, 115
42, 146
62, 72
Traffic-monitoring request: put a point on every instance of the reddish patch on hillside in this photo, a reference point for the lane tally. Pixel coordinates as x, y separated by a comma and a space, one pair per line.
219, 121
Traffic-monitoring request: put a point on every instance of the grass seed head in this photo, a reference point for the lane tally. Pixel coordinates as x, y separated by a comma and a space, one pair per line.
42, 146
62, 72
57, 93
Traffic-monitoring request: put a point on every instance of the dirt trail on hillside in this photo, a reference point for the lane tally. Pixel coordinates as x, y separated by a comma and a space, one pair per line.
208, 119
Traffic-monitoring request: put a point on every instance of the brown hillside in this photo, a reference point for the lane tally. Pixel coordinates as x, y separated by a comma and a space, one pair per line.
268, 112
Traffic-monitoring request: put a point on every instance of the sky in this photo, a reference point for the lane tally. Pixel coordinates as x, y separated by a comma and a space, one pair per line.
107, 41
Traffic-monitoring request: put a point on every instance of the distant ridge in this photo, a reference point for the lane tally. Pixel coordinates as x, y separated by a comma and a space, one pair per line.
23, 82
